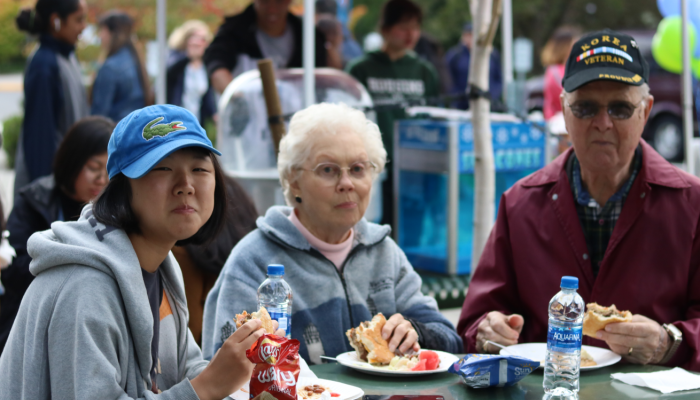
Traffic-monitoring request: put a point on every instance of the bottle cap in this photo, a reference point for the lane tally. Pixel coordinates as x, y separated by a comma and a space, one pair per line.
568, 282
275, 269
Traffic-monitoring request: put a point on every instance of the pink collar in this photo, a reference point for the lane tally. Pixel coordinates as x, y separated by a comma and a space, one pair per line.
337, 253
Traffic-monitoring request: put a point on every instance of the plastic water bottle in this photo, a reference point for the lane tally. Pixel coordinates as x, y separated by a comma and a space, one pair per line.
561, 368
276, 296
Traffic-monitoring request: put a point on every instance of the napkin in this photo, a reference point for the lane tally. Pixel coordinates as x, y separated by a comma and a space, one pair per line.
673, 380
305, 371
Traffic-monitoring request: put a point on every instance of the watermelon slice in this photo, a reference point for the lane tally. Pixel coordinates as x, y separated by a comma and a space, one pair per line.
431, 358
420, 366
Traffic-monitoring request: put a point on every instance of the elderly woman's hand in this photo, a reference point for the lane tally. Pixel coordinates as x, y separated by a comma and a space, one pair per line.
641, 341
402, 334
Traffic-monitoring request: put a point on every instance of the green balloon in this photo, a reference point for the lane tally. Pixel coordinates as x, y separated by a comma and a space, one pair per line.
667, 45
695, 66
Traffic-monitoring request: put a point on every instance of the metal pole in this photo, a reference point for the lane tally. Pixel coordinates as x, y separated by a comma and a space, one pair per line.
507, 47
161, 19
453, 199
309, 48
687, 92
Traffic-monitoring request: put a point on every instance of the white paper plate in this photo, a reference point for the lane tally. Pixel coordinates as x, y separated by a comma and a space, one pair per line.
346, 392
538, 352
350, 360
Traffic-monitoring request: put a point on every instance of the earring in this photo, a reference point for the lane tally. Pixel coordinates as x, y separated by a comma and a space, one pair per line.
57, 24
298, 199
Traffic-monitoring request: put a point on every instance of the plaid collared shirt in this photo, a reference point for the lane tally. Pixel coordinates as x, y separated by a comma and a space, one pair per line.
598, 222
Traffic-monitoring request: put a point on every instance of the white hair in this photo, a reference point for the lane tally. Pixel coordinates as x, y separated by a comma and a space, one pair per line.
643, 91
324, 119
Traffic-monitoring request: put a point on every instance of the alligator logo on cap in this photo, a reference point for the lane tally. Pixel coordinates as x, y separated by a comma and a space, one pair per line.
153, 128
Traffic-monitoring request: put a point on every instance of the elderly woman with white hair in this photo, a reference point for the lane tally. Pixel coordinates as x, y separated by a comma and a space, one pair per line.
342, 269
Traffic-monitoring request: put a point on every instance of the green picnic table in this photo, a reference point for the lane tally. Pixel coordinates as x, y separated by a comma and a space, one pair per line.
596, 384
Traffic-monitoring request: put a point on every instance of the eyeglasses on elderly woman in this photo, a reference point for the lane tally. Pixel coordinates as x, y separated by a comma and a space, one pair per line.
330, 173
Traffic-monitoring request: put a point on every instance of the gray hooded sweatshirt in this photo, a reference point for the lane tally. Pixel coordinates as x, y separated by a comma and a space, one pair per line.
85, 325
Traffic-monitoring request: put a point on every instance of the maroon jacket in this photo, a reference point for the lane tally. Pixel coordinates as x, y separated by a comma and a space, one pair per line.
651, 266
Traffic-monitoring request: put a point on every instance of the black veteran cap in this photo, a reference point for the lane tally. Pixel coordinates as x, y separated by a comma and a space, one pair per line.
605, 55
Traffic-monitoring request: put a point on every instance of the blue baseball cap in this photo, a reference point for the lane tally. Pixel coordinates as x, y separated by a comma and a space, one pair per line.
148, 135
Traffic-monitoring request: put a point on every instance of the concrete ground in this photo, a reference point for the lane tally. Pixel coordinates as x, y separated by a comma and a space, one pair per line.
452, 314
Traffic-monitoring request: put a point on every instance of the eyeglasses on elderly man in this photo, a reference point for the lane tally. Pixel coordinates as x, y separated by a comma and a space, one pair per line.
619, 110
342, 268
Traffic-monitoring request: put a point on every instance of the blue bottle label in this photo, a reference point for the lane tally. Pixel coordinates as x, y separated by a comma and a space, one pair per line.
564, 340
283, 319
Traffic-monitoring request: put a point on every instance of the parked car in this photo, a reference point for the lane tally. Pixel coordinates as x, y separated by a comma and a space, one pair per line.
664, 130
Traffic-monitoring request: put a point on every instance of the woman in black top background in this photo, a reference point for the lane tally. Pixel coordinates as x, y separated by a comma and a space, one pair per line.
80, 173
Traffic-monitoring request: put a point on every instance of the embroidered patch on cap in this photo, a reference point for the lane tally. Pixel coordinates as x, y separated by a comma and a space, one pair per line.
604, 49
153, 128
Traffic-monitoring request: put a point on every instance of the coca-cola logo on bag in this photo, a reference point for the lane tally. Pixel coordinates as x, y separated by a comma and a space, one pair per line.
282, 378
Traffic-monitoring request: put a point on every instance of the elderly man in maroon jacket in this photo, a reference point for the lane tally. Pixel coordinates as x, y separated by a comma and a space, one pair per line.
610, 211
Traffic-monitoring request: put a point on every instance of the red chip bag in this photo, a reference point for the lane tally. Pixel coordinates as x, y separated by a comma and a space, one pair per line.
276, 370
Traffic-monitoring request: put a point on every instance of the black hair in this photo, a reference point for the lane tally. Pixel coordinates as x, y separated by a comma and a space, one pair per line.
87, 138
238, 222
326, 7
397, 11
120, 26
329, 26
113, 206
36, 20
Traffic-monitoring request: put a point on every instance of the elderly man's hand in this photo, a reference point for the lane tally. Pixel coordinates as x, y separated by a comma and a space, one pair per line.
499, 328
399, 329
647, 340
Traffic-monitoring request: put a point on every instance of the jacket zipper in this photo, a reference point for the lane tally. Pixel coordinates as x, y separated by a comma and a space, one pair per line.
342, 278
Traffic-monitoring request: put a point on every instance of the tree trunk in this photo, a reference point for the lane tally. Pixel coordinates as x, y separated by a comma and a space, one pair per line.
485, 14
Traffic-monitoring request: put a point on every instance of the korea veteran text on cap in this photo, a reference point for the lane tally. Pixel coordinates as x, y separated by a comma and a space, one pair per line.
605, 55
146, 136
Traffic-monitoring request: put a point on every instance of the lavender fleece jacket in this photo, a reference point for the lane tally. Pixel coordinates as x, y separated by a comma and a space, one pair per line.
376, 277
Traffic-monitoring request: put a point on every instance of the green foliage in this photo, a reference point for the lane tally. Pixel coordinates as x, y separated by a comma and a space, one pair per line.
210, 128
178, 11
442, 19
11, 39
533, 19
537, 19
11, 128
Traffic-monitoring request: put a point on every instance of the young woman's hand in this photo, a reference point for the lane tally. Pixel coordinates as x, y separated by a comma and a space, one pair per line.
229, 369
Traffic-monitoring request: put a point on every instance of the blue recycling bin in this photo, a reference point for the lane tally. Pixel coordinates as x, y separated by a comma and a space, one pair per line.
434, 185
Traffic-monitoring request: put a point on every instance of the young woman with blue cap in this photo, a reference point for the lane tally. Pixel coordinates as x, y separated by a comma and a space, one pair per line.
106, 315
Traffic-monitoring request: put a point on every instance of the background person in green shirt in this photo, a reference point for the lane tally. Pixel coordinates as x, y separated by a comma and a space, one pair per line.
394, 74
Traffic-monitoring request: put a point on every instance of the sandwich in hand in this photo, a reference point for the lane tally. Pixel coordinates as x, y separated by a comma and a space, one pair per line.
367, 341
261, 314
597, 317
